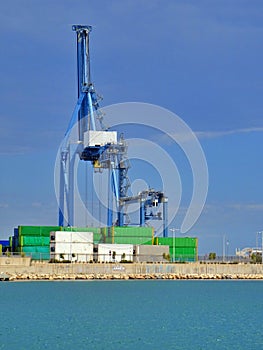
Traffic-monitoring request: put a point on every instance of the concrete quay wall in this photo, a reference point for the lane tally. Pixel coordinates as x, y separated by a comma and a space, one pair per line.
14, 261
40, 270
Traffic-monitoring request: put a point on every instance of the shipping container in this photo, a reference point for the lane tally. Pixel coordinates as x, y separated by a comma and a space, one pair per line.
33, 241
80, 229
115, 252
179, 241
37, 249
181, 249
5, 246
97, 238
97, 232
4, 243
132, 231
70, 251
152, 253
71, 237
16, 231
129, 235
130, 240
36, 230
14, 243
36, 252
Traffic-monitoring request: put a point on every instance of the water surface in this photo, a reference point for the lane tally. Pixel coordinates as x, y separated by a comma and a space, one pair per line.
131, 315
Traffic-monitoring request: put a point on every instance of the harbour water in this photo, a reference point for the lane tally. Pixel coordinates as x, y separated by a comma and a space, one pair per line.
109, 315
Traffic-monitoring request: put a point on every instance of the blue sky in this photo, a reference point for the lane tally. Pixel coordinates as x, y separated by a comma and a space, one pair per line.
202, 60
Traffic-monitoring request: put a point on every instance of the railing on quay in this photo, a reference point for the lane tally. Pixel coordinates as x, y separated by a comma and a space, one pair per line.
105, 258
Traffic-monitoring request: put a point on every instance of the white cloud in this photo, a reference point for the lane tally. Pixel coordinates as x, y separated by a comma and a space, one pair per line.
216, 134
4, 205
246, 206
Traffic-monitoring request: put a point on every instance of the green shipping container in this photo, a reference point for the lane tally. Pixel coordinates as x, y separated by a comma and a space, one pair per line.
81, 229
37, 230
38, 249
180, 249
33, 241
129, 235
108, 240
97, 238
131, 240
132, 231
128, 240
37, 252
179, 241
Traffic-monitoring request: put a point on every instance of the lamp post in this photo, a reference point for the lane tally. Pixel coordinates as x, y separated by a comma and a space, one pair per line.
225, 247
261, 233
173, 230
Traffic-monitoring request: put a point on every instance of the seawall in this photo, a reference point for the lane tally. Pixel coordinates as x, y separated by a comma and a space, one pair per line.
25, 269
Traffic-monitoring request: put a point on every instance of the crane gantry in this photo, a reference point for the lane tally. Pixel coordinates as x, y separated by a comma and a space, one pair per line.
97, 144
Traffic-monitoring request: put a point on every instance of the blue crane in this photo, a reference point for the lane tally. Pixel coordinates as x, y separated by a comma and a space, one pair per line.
97, 144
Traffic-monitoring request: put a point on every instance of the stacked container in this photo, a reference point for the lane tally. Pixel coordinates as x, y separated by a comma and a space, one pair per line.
130, 235
115, 252
34, 241
71, 246
154, 253
4, 246
180, 248
97, 232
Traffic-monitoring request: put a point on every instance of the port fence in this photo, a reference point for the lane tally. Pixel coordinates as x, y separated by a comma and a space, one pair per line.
105, 258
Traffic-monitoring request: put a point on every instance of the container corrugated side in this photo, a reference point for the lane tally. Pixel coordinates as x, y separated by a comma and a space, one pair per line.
130, 235
178, 241
183, 254
14, 243
97, 238
33, 241
130, 240
133, 231
37, 249
4, 243
37, 252
71, 251
36, 230
81, 229
186, 242
71, 236
97, 232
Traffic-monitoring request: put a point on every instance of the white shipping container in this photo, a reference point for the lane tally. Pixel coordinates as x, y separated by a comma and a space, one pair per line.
70, 236
115, 252
71, 251
101, 138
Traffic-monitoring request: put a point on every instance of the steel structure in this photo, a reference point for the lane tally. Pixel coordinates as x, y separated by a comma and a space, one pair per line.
97, 144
